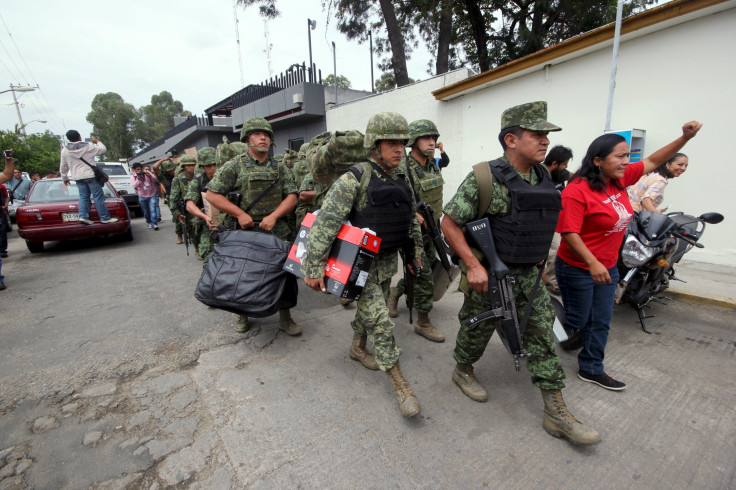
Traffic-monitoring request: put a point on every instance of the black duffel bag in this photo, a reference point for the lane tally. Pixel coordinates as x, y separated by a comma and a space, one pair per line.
245, 275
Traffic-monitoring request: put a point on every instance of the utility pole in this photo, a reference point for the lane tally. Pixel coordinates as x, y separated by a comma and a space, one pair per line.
370, 38
15, 89
311, 25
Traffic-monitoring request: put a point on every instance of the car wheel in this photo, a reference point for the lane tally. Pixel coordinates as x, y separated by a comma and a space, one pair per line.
34, 247
128, 235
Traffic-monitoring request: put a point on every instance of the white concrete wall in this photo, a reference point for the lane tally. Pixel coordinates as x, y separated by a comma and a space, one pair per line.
665, 79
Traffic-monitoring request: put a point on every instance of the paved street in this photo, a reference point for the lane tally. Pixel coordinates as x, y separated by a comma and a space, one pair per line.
113, 376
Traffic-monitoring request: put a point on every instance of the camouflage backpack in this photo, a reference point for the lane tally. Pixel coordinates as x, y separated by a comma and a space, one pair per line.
330, 155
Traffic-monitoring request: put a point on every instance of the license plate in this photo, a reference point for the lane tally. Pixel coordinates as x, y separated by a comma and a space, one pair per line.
71, 216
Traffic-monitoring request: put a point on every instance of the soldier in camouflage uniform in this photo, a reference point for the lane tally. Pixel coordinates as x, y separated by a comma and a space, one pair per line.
524, 139
179, 189
385, 136
427, 183
250, 174
194, 201
164, 170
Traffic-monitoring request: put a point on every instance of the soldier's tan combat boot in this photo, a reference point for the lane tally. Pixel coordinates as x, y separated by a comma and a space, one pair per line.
242, 324
179, 240
393, 302
287, 324
558, 422
196, 253
359, 353
408, 403
425, 328
465, 379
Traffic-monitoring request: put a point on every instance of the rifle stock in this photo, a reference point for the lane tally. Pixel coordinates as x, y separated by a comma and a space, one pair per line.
435, 234
183, 210
500, 289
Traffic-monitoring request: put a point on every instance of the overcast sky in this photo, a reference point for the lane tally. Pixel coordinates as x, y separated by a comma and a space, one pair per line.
139, 48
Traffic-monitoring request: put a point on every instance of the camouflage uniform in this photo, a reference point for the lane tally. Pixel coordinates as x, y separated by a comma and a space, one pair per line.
302, 208
538, 337
432, 182
166, 180
179, 188
235, 175
371, 317
197, 186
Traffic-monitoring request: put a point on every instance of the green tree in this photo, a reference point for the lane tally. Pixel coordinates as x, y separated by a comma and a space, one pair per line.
342, 81
113, 122
38, 152
156, 118
387, 82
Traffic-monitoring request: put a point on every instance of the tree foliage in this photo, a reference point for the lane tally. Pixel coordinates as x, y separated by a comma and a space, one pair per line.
342, 81
38, 152
113, 122
156, 118
387, 82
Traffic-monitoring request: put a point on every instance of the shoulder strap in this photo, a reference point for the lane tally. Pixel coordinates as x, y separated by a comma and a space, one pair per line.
20, 181
484, 178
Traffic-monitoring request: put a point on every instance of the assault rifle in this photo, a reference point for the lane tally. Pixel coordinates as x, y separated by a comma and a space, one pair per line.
183, 210
435, 234
500, 291
410, 279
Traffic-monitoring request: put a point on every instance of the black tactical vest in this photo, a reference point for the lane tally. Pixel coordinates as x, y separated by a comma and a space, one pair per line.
524, 236
388, 211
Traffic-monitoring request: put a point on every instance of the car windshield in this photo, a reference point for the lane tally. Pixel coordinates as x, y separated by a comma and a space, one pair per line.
113, 169
55, 191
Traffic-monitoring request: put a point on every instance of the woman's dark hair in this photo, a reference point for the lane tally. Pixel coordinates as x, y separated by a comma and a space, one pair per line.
558, 154
601, 147
663, 170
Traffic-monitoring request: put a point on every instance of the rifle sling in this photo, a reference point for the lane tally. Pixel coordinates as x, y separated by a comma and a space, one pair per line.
261, 195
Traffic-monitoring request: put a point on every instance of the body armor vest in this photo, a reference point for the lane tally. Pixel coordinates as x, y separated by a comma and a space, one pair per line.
256, 179
430, 183
524, 236
388, 211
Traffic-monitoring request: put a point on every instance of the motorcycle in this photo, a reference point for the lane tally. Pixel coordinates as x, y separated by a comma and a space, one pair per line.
653, 244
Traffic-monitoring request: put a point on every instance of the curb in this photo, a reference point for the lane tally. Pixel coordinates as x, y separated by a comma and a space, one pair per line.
702, 299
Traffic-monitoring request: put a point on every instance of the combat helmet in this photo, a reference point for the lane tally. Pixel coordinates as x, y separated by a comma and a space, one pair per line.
168, 166
205, 156
421, 127
256, 124
385, 126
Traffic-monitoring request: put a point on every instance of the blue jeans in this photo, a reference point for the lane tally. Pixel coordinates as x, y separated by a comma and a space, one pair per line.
588, 306
155, 208
87, 187
150, 212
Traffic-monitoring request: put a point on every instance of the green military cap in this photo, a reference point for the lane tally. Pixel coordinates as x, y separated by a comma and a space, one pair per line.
206, 156
168, 166
187, 160
531, 116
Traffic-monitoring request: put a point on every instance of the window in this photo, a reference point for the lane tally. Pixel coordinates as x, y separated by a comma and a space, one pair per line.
296, 144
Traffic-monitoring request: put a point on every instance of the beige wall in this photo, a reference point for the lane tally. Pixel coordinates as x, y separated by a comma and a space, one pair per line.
665, 78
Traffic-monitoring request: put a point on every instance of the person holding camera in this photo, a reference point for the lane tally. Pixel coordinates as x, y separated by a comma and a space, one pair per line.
77, 159
146, 185
5, 177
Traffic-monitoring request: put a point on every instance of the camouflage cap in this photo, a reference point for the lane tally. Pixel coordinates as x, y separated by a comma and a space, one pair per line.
206, 156
256, 124
187, 160
531, 116
168, 166
386, 126
421, 127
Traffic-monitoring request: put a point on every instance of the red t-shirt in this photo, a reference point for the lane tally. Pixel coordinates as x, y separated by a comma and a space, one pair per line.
600, 218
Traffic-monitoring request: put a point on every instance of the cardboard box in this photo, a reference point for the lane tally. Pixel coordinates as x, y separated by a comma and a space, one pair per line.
349, 261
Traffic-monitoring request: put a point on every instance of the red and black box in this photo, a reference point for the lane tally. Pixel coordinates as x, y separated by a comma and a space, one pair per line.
349, 261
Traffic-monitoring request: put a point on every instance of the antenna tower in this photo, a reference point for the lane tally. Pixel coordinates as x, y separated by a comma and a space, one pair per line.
237, 39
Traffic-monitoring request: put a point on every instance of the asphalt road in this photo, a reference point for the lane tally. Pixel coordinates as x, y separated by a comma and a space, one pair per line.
113, 376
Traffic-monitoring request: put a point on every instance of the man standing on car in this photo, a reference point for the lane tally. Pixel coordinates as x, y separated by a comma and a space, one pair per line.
146, 184
77, 159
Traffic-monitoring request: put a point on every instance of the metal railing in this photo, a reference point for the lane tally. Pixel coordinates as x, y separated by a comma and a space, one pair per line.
294, 75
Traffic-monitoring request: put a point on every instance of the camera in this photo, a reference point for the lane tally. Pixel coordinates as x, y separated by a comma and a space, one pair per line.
8, 153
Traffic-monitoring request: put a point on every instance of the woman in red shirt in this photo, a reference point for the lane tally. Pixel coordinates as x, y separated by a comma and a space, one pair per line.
595, 213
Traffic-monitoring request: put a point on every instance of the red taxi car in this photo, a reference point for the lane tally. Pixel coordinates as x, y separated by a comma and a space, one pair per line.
51, 214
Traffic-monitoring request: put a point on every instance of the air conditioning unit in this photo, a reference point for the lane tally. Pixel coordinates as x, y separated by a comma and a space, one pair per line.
297, 99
